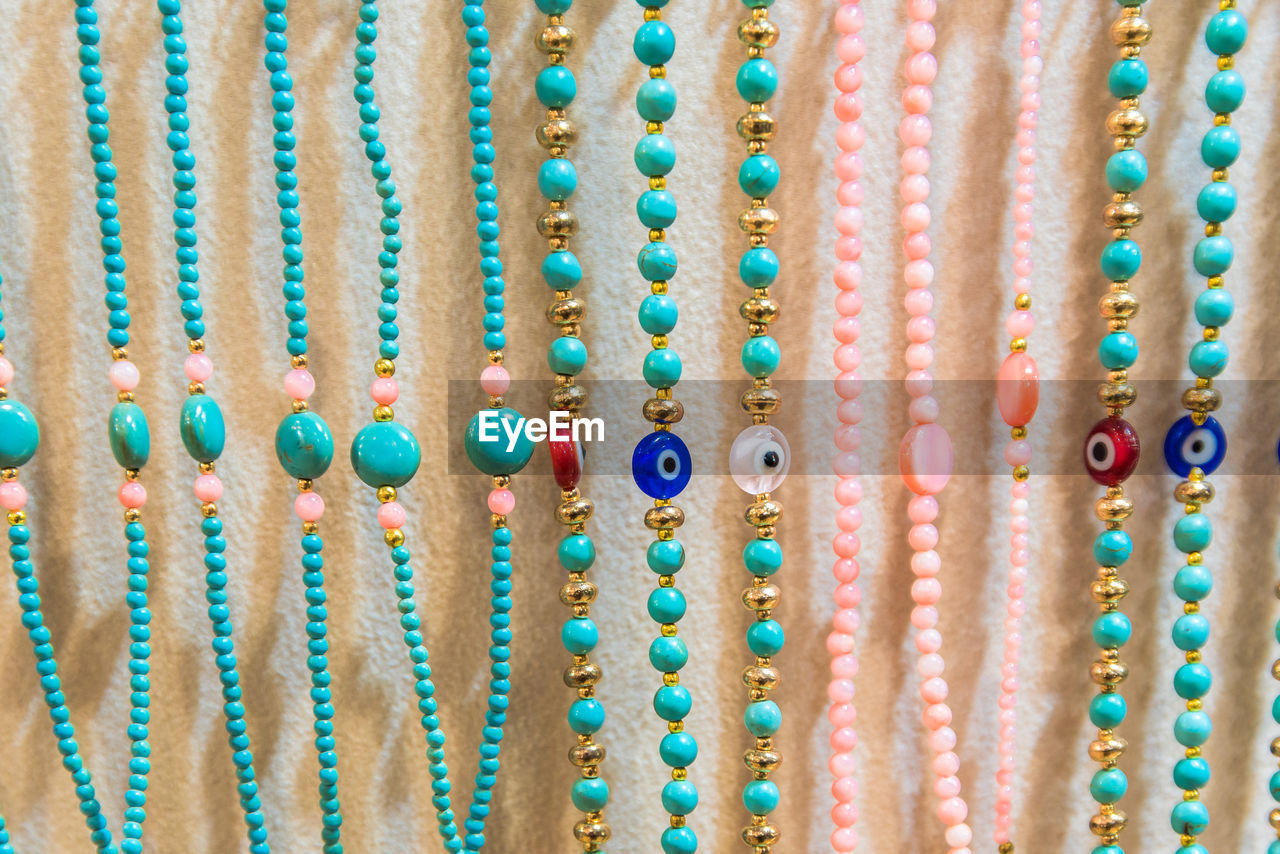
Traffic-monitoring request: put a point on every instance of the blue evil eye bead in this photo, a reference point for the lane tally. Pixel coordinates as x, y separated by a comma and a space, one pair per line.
129, 435
385, 453
759, 459
19, 434
661, 465
496, 441
304, 445
1189, 445
204, 433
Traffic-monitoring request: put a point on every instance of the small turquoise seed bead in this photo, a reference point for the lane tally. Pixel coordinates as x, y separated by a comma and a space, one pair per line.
661, 368
589, 794
654, 43
19, 434
503, 446
758, 268
1126, 171
555, 86
1121, 260
1190, 632
579, 635
655, 155
1213, 255
1111, 630
561, 270
1193, 533
1108, 785
385, 453
1118, 350
666, 605
1191, 774
760, 356
757, 80
567, 355
1189, 818
1107, 711
130, 438
656, 101
657, 262
658, 314
1214, 307
678, 749
1226, 32
1112, 548
679, 797
1224, 93
1192, 681
1192, 583
1127, 78
576, 552
765, 638
667, 655
762, 718
665, 557
557, 179
679, 840
586, 716
656, 208
672, 702
204, 433
1220, 147
760, 797
1216, 202
304, 445
762, 557
1208, 358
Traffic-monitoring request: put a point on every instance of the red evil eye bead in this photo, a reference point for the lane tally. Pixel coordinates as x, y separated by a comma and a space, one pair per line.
1111, 451
566, 462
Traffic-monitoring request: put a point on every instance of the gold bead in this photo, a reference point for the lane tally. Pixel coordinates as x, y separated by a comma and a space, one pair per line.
1275, 669
1275, 747
762, 598
574, 511
1201, 399
556, 38
305, 484
310, 527
761, 401
756, 32
132, 515
591, 832
208, 509
394, 537
1122, 215
1117, 395
1274, 818
119, 354
1108, 824
206, 468
384, 368
578, 593
495, 357
759, 310
196, 345
569, 398
659, 518
386, 494
663, 411
757, 126
1118, 304
763, 513
762, 761
1021, 473
566, 311
584, 755
582, 675
382, 412
557, 132
762, 834
17, 517
765, 678
1107, 749
558, 224
298, 406
299, 361
1022, 302
1193, 492
1109, 589
1130, 31
9, 473
759, 220
1127, 123
192, 388
1005, 848
1108, 672
658, 342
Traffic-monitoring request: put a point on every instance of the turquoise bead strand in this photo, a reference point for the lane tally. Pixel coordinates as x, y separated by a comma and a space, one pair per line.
321, 696
5, 847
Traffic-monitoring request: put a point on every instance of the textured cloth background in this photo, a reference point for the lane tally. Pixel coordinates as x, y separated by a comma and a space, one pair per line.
54, 314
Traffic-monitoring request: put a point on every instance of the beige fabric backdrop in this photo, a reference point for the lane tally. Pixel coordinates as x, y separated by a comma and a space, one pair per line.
55, 319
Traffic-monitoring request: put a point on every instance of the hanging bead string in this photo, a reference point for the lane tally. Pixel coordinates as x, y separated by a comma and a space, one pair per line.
925, 455
202, 427
1018, 394
304, 445
5, 847
842, 714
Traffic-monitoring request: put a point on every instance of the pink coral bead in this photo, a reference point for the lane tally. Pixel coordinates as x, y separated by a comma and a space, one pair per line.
132, 494
198, 367
309, 506
13, 495
6, 371
124, 375
208, 487
391, 515
495, 380
299, 384
501, 501
385, 391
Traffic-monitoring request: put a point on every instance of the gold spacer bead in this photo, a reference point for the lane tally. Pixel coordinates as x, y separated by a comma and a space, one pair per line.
1125, 215
298, 406
1226, 62
1131, 30
1118, 304
195, 345
761, 678
762, 598
591, 832
663, 518
298, 361
119, 354
1107, 749
763, 513
757, 126
1005, 848
1022, 302
660, 411
582, 675
386, 494
578, 593
1109, 590
756, 32
121, 396
759, 309
495, 357
310, 527
761, 401
574, 511
133, 514
659, 342
384, 368
17, 517
653, 13
569, 398
759, 220
1127, 123
305, 484
206, 468
1108, 824
1021, 474
1018, 345
761, 835
1193, 492
556, 132
1117, 395
393, 537
558, 224
1018, 433
208, 509
1201, 399
762, 761
584, 755
1109, 673
1274, 818
554, 39
195, 388
9, 474
382, 412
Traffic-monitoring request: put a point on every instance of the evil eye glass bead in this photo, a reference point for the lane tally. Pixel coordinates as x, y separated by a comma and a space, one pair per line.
759, 459
1111, 451
1189, 445
661, 465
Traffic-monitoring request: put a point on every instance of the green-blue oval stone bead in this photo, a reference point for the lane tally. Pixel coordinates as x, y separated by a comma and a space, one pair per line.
385, 453
1208, 358
672, 702
1192, 583
494, 452
1226, 32
658, 314
1192, 681
129, 434
19, 434
1224, 93
757, 80
1126, 171
668, 655
765, 638
655, 155
657, 262
656, 208
1112, 548
762, 718
1216, 201
1193, 533
1213, 255
567, 355
762, 557
656, 100
679, 797
1108, 785
1121, 260
666, 605
1215, 307
661, 368
1190, 631
1111, 630
758, 267
1118, 350
654, 43
579, 635
561, 270
678, 749
1191, 774
665, 557
758, 175
1189, 818
555, 86
576, 552
204, 433
1107, 711
589, 794
586, 716
760, 797
1220, 147
557, 179
760, 356
304, 445
1127, 78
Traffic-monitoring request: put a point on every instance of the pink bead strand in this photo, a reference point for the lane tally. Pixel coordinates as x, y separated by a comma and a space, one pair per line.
925, 457
850, 48
1019, 399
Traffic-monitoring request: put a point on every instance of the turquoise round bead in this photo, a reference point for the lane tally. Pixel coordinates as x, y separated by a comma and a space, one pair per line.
204, 433
1126, 171
1121, 260
557, 179
760, 797
1191, 774
129, 435
494, 452
1208, 358
1192, 681
1109, 849
1111, 630
668, 655
654, 43
553, 7
1127, 78
1190, 631
1216, 201
1224, 93
656, 208
561, 270
1107, 711
655, 155
567, 355
1274, 847
760, 356
1192, 849
765, 638
1108, 785
679, 797
1192, 583
1274, 785
1214, 307
576, 552
665, 557
1226, 32
586, 716
679, 840
1118, 350
1112, 548
666, 605
762, 557
1220, 147
661, 368
579, 635
757, 4
555, 86
19, 434
657, 262
672, 702
589, 794
1213, 255
304, 445
757, 80
762, 718
385, 453
1193, 533
656, 100
678, 749
1189, 818
758, 175
758, 267
658, 314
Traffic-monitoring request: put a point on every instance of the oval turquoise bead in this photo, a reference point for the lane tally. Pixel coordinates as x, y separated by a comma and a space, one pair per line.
1192, 681
758, 175
385, 453
1220, 147
1107, 711
679, 840
665, 557
589, 794
586, 716
762, 718
579, 635
656, 208
490, 445
757, 80
577, 552
1191, 774
19, 434
679, 797
668, 655
657, 262
1121, 260
1226, 32
654, 43
1193, 533
666, 605
561, 270
555, 86
1118, 350
557, 179
762, 557
760, 797
1126, 171
1216, 201
1213, 255
1111, 630
760, 356
1208, 358
1108, 785
672, 702
658, 314
304, 445
1192, 583
765, 638
1215, 307
567, 355
129, 434
656, 100
655, 155
204, 433
758, 268
661, 368
678, 749
1189, 818
1112, 548
553, 7
1224, 93
1127, 78
1190, 632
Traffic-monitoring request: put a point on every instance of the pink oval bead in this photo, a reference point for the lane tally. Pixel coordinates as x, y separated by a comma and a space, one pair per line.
309, 506
299, 384
385, 391
1018, 389
132, 494
208, 487
391, 515
124, 375
13, 495
6, 371
502, 501
198, 367
925, 459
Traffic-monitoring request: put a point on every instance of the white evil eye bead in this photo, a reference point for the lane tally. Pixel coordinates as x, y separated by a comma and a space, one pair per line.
661, 465
1189, 445
759, 459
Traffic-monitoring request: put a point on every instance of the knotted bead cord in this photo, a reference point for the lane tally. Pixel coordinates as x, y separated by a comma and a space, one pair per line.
202, 428
842, 714
304, 444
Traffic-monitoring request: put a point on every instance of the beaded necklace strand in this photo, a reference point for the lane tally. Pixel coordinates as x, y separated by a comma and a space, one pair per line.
925, 456
202, 427
842, 714
1111, 448
5, 847
760, 457
304, 445
1196, 444
1017, 395
660, 464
